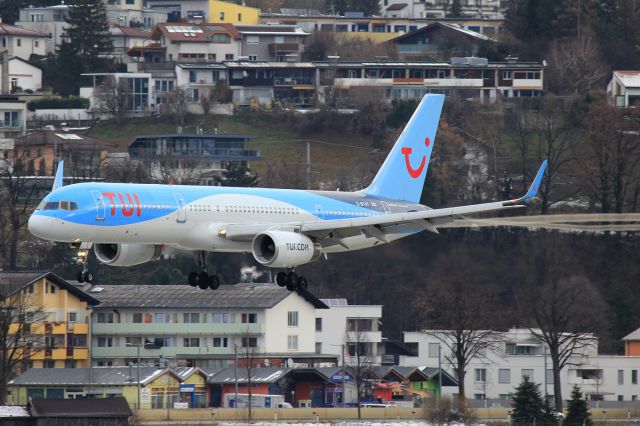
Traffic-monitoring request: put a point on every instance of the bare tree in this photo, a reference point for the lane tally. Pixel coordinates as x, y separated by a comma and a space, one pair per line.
114, 96
459, 309
206, 100
174, 104
552, 298
19, 313
360, 355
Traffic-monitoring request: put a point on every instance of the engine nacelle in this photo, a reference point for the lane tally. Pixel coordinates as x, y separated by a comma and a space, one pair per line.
284, 249
126, 254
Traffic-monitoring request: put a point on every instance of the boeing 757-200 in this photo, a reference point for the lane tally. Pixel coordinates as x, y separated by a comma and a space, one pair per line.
129, 224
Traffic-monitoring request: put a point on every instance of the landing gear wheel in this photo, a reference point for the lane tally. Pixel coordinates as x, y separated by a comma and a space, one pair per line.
281, 278
88, 276
203, 280
292, 281
214, 282
80, 277
193, 279
302, 283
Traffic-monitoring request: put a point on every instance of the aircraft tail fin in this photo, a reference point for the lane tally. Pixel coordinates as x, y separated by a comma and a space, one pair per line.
57, 181
402, 175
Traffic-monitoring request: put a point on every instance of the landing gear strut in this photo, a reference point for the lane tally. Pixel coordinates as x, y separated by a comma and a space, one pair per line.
291, 280
82, 253
202, 279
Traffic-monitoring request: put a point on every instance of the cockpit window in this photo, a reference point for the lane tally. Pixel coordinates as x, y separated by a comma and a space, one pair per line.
58, 205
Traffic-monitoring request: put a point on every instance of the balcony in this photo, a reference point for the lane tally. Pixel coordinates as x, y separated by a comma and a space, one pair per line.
181, 329
365, 82
167, 352
293, 81
11, 124
527, 84
283, 48
454, 82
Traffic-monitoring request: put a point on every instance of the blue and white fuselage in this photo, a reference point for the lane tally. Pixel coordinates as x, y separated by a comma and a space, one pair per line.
128, 224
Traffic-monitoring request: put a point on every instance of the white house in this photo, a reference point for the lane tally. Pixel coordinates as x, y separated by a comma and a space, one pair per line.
22, 42
344, 328
496, 372
178, 321
22, 76
13, 114
623, 89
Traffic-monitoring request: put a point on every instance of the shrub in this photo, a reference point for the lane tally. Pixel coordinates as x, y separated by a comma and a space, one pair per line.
58, 103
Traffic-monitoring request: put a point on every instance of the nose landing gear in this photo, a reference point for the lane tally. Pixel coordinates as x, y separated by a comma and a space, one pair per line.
202, 279
291, 280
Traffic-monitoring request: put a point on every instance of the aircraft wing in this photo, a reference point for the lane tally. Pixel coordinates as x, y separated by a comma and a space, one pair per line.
333, 231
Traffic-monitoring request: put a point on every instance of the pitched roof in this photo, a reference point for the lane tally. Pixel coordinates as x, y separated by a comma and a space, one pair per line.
271, 29
184, 296
121, 31
258, 375
628, 78
92, 407
397, 6
10, 282
6, 29
452, 27
634, 335
182, 31
96, 376
61, 138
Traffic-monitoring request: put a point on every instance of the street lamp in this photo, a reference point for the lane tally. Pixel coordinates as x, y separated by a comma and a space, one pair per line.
137, 346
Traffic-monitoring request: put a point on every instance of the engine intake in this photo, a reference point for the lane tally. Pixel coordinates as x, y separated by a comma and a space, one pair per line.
284, 249
126, 254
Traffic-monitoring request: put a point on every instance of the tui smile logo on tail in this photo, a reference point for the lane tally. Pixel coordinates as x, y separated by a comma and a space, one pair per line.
414, 173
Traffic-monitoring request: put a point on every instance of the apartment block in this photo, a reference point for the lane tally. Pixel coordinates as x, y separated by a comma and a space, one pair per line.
165, 323
496, 371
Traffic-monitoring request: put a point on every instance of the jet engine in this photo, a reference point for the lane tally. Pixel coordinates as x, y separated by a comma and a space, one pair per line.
126, 254
284, 249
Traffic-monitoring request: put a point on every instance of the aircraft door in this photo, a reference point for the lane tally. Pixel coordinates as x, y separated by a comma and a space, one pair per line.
319, 211
98, 199
182, 208
385, 205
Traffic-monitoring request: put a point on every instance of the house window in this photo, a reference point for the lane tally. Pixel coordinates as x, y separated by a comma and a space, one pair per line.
72, 317
48, 364
239, 17
634, 377
249, 318
249, 342
36, 43
18, 42
480, 396
253, 57
527, 372
133, 341
137, 317
621, 377
292, 318
550, 376
318, 324
105, 317
220, 342
507, 75
292, 342
253, 39
191, 342
192, 76
70, 364
105, 342
222, 16
221, 318
191, 317
481, 374
228, 57
504, 376
318, 347
53, 289
434, 350
221, 38
215, 75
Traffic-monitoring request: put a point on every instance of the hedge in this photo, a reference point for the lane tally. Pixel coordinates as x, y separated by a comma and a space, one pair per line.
58, 103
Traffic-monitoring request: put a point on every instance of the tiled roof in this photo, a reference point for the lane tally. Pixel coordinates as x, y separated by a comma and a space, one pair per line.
185, 296
6, 29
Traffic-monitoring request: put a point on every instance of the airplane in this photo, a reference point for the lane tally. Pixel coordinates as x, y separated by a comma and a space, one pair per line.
129, 224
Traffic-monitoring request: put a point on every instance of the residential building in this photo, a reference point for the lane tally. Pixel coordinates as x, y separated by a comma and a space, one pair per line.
439, 40
133, 17
175, 321
140, 87
349, 330
198, 42
195, 11
84, 156
62, 339
256, 83
496, 371
125, 38
232, 13
470, 78
623, 89
49, 20
199, 80
190, 158
22, 76
158, 387
13, 114
439, 9
125, 4
632, 343
22, 42
276, 43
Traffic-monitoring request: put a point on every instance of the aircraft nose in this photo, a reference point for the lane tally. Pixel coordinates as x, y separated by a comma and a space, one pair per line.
40, 226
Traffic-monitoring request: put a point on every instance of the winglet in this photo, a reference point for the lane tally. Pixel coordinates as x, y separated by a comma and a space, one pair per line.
535, 185
57, 181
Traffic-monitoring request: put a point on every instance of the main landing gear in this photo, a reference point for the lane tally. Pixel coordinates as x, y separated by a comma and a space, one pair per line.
202, 279
82, 253
291, 280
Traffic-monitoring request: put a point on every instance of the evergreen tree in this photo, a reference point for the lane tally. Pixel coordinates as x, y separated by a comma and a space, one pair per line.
62, 70
238, 175
529, 406
88, 33
455, 10
577, 411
